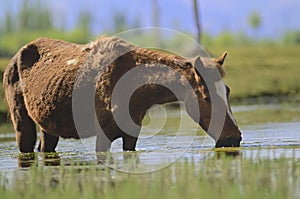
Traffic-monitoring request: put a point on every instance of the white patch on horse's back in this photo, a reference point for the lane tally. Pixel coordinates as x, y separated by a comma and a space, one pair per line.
221, 91
72, 62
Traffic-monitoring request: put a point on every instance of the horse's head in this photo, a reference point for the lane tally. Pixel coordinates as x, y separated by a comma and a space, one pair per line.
212, 96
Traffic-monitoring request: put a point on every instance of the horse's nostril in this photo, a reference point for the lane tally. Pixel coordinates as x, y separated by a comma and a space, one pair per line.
229, 142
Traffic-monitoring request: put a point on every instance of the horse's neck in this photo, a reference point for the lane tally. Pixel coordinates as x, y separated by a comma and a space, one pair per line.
171, 68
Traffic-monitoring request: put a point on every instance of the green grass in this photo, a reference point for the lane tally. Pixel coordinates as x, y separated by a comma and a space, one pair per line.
262, 70
286, 113
263, 116
3, 104
216, 177
6, 127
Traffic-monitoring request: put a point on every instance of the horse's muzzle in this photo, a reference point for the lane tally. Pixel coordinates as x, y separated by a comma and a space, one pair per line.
229, 142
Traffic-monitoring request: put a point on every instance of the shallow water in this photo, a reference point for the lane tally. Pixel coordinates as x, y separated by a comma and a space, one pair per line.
164, 141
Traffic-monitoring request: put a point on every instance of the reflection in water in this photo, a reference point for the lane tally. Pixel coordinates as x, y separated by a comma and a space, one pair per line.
228, 152
263, 142
132, 160
51, 159
28, 159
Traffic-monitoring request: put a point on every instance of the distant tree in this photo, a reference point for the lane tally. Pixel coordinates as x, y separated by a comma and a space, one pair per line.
34, 17
292, 37
155, 13
23, 18
8, 23
255, 20
225, 39
119, 20
84, 23
156, 22
44, 21
197, 20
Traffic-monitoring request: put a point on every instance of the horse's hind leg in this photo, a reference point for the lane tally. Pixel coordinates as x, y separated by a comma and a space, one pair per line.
23, 124
48, 142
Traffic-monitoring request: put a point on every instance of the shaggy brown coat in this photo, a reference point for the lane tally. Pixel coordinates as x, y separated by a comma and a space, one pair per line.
40, 79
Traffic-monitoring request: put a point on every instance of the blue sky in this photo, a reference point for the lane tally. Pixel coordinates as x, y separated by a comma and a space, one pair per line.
277, 16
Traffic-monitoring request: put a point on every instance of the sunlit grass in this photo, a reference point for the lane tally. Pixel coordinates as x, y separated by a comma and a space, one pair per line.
215, 177
3, 64
262, 70
6, 128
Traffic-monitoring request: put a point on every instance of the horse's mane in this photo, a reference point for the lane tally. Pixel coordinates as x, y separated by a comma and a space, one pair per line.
145, 55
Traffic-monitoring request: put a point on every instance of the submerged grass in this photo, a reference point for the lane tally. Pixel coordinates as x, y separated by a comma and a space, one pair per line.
216, 177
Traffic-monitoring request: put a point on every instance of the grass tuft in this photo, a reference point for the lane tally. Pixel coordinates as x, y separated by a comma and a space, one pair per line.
216, 177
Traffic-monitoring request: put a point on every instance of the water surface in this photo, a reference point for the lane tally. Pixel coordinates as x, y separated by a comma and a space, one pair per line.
169, 135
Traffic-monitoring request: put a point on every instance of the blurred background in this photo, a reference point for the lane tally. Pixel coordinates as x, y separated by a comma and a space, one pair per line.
261, 37
218, 22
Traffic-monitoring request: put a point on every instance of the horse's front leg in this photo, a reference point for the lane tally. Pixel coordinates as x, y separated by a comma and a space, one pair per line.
129, 142
130, 137
48, 142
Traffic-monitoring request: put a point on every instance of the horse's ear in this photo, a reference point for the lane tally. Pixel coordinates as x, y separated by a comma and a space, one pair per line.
197, 63
221, 59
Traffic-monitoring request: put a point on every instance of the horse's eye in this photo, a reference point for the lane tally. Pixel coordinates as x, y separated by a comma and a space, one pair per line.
207, 99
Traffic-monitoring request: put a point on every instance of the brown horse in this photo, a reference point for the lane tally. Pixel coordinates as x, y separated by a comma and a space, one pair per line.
44, 85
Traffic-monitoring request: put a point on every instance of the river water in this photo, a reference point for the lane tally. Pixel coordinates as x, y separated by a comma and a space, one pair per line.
169, 135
